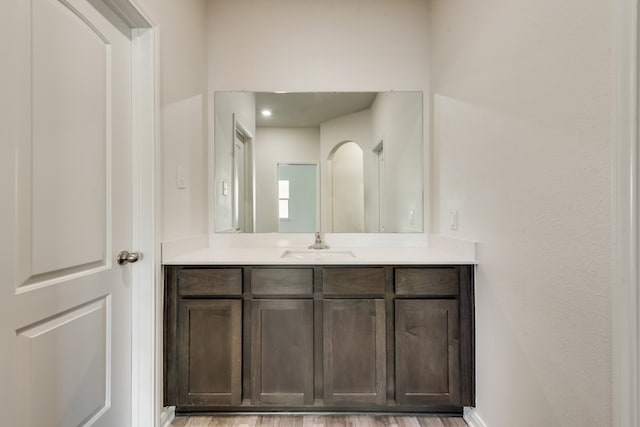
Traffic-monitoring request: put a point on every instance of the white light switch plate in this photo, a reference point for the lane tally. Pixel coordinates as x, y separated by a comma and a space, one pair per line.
182, 178
453, 219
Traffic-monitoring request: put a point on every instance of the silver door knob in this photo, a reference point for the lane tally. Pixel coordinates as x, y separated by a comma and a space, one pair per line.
128, 257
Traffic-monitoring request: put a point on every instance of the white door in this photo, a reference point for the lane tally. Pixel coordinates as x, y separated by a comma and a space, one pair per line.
65, 212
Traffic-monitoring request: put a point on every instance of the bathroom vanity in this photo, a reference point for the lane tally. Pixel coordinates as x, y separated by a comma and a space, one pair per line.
296, 335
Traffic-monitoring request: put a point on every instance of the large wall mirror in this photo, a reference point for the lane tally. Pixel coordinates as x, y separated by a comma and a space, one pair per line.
330, 161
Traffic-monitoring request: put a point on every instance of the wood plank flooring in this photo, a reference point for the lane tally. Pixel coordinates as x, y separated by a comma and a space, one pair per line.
317, 421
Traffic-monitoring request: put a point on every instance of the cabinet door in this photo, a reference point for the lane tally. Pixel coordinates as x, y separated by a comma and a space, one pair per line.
354, 352
282, 352
427, 352
209, 362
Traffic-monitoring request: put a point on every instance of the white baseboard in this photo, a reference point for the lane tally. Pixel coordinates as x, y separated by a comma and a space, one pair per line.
167, 416
472, 418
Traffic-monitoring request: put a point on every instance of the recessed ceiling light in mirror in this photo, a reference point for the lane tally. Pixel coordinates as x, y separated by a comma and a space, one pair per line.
266, 113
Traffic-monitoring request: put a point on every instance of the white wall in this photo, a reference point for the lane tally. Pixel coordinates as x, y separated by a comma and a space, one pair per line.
522, 149
313, 46
182, 112
273, 146
333, 45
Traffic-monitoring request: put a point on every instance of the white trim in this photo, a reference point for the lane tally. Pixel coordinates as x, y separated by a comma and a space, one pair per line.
159, 280
130, 13
472, 418
145, 170
144, 289
625, 308
167, 416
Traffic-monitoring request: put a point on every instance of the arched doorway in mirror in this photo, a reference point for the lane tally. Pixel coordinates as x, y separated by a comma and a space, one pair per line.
347, 187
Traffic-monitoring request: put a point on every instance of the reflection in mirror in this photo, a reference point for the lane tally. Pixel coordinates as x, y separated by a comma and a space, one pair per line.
297, 198
352, 162
347, 188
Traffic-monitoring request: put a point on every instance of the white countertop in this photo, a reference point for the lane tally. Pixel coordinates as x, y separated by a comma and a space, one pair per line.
273, 256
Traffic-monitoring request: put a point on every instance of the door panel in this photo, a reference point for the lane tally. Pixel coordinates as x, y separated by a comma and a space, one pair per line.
66, 128
58, 376
69, 139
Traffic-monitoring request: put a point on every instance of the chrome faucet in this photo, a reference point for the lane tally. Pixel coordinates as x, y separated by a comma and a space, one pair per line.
319, 244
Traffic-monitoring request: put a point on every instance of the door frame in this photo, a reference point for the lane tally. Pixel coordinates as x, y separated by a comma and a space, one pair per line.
146, 302
378, 184
626, 221
249, 198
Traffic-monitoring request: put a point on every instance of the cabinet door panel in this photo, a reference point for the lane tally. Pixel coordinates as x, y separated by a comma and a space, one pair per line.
427, 352
354, 352
209, 336
282, 352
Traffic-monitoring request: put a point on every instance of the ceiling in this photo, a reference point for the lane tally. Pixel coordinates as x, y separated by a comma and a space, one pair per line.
308, 109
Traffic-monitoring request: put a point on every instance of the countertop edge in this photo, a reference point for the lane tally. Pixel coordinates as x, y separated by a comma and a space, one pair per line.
273, 256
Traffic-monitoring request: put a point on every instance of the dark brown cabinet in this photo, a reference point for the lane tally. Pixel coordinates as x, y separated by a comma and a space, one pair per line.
354, 352
209, 364
427, 352
282, 352
319, 338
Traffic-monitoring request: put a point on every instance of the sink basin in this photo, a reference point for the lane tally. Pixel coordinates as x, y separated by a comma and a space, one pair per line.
318, 253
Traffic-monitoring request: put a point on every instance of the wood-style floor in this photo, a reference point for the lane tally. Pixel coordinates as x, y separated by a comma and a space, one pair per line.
317, 421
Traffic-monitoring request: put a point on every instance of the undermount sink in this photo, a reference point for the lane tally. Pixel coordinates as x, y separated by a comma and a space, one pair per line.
317, 253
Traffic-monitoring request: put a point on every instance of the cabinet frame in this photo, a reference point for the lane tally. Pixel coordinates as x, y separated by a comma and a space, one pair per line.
319, 398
